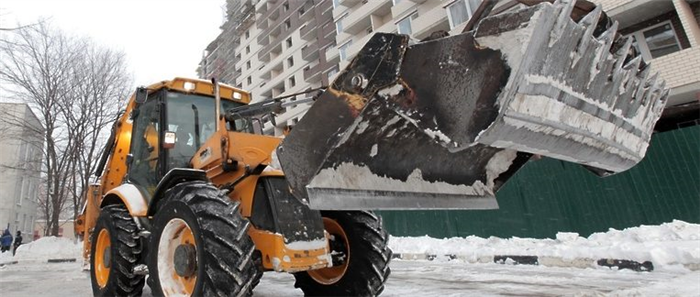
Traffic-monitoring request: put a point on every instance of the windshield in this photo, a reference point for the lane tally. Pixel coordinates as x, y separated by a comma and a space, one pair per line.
188, 114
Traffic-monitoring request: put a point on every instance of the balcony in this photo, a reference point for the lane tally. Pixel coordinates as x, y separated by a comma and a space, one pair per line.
431, 21
310, 52
350, 3
270, 52
271, 44
360, 19
308, 12
270, 14
328, 30
308, 31
313, 74
401, 8
357, 46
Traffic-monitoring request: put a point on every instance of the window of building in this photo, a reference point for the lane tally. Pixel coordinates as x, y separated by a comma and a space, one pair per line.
18, 198
287, 24
460, 11
292, 81
343, 50
656, 41
332, 73
247, 65
404, 25
247, 49
290, 61
247, 34
285, 6
339, 24
249, 80
302, 11
289, 42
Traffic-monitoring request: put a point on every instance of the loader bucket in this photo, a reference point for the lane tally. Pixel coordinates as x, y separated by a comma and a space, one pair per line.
443, 124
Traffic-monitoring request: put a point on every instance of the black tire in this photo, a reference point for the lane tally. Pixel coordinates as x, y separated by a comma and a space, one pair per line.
368, 267
224, 264
124, 253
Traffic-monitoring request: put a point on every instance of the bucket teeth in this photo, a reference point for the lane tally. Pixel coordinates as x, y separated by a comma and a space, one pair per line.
589, 22
566, 7
591, 19
633, 65
607, 38
621, 55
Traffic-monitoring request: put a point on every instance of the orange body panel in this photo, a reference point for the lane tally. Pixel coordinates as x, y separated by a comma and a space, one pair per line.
238, 148
278, 256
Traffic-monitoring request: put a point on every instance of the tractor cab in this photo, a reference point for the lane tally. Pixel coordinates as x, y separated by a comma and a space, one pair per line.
172, 123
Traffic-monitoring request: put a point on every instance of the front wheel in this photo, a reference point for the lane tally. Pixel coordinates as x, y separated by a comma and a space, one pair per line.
200, 245
115, 251
361, 257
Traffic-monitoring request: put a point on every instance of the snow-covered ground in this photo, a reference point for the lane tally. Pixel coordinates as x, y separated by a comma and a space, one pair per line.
674, 248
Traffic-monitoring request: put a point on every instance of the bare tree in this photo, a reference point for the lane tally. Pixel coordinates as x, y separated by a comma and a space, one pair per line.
75, 88
102, 85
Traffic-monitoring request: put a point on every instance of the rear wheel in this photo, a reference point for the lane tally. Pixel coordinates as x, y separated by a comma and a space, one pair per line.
200, 245
115, 251
361, 257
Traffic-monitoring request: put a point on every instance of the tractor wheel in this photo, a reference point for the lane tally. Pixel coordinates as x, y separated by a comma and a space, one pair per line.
361, 260
200, 245
115, 251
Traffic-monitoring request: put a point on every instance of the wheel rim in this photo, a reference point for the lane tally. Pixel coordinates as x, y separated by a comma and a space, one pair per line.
331, 275
102, 258
174, 282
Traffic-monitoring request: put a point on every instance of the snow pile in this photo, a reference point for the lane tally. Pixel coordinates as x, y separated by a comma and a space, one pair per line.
666, 245
50, 247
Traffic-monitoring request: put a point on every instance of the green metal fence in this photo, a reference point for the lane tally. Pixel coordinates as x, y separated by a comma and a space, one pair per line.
549, 196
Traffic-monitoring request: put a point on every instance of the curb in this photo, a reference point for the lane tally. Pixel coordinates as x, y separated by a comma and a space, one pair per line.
618, 264
61, 260
7, 263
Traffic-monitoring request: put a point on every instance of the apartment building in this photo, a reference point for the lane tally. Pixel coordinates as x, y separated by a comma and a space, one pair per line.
296, 45
20, 165
272, 48
357, 20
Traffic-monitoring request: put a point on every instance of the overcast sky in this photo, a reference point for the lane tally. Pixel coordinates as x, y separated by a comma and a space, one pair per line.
161, 38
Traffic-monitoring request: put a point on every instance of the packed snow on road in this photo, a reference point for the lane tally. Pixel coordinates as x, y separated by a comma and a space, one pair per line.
568, 265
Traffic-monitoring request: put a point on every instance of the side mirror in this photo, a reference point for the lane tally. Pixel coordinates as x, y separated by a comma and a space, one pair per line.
141, 95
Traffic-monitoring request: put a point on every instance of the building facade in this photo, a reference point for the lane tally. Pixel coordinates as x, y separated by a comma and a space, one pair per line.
272, 48
20, 167
293, 45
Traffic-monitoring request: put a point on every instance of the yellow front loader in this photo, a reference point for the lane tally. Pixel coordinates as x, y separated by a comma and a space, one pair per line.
192, 194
